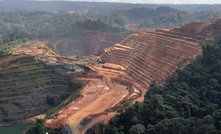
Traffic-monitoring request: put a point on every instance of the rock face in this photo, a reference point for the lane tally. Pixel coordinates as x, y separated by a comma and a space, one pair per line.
151, 56
27, 88
85, 43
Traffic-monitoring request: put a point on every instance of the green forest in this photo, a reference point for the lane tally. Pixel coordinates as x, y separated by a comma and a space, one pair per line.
12, 41
188, 102
160, 17
21, 27
178, 18
42, 24
133, 15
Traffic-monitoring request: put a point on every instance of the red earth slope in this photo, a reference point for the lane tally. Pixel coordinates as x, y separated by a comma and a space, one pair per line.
137, 60
151, 56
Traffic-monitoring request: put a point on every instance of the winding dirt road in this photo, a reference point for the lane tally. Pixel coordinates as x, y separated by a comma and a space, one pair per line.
100, 94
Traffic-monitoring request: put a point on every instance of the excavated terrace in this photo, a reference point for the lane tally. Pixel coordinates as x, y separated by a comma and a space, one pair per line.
128, 69
138, 59
151, 56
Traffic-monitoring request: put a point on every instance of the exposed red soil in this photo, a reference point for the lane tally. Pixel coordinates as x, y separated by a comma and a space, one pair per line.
96, 97
99, 94
129, 68
138, 59
151, 55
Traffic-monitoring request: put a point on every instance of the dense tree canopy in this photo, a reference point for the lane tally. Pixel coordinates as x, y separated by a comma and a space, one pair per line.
116, 20
41, 24
189, 102
178, 18
14, 39
133, 15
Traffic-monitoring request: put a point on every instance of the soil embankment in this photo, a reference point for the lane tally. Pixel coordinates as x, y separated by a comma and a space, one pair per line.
138, 59
98, 96
152, 55
129, 68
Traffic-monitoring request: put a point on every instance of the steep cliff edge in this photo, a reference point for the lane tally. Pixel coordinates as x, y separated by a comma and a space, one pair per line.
151, 56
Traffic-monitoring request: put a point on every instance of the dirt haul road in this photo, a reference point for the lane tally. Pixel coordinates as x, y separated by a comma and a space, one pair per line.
101, 93
96, 97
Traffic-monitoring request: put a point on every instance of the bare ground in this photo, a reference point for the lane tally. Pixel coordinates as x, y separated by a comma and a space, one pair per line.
99, 94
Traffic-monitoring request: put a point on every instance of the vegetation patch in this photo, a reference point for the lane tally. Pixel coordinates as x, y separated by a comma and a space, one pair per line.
38, 127
45, 46
56, 109
188, 102
29, 84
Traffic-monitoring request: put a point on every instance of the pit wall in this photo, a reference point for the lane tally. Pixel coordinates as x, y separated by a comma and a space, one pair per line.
151, 56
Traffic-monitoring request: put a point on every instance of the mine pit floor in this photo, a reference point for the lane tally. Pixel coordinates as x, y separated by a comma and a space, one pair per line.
100, 93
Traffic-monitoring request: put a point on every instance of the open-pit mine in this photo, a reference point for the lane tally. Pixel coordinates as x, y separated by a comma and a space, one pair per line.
121, 72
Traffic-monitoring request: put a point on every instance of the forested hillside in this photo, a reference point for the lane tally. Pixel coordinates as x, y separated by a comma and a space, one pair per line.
188, 102
41, 24
177, 19
46, 24
136, 14
161, 17
19, 27
22, 21
12, 41
115, 20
